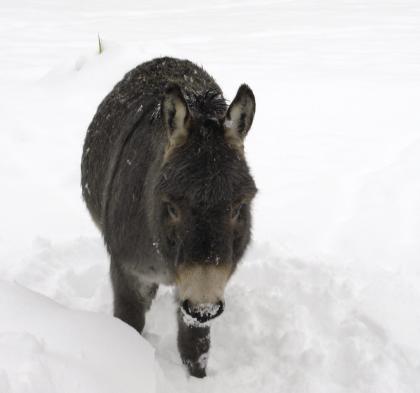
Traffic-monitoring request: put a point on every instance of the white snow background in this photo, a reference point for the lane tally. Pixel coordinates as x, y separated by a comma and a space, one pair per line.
327, 299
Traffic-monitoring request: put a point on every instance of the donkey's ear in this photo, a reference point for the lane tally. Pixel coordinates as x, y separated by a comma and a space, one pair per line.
239, 116
175, 115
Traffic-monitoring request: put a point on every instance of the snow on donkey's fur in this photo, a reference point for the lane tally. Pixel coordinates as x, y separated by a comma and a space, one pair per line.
165, 179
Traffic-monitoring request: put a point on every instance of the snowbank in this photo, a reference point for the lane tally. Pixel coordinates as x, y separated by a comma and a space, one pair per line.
46, 348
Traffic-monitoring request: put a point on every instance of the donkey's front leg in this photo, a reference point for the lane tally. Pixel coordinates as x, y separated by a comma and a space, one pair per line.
132, 297
193, 345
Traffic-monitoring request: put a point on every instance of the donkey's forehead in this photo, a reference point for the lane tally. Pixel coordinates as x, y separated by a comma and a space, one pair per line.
206, 169
207, 128
209, 187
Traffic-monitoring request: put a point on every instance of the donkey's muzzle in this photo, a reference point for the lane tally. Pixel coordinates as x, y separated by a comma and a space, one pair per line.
203, 312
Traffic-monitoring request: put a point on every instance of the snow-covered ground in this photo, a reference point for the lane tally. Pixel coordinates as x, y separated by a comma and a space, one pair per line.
328, 296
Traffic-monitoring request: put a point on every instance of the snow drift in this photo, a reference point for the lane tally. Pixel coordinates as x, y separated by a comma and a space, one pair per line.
46, 348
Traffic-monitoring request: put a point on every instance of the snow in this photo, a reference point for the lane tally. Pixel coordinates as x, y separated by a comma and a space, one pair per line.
201, 315
193, 322
47, 348
327, 298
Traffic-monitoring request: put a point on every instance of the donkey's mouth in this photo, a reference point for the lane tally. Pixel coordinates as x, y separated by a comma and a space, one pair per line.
201, 313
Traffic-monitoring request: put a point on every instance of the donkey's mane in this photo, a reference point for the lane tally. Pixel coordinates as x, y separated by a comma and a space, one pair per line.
209, 103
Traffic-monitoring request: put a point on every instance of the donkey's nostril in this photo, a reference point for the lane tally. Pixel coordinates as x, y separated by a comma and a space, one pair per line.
221, 308
186, 306
203, 312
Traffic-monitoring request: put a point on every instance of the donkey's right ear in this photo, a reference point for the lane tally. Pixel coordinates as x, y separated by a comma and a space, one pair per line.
175, 115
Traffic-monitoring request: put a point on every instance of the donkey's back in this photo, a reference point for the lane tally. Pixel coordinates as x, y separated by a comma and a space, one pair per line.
136, 98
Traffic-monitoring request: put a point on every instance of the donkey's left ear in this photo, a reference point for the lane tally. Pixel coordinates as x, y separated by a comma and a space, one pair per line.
239, 116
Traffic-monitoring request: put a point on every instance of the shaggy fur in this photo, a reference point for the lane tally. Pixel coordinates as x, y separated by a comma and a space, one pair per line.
165, 179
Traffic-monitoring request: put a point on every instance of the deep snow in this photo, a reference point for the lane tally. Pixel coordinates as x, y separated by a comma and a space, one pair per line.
46, 348
328, 296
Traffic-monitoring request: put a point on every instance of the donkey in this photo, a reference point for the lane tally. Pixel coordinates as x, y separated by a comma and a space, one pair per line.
165, 180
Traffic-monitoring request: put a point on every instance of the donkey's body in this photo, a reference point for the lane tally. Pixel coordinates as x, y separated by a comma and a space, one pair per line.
162, 174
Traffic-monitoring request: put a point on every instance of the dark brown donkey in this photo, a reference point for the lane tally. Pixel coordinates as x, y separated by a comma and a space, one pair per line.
165, 179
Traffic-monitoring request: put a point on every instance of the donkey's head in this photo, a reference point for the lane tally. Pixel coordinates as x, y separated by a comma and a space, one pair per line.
202, 198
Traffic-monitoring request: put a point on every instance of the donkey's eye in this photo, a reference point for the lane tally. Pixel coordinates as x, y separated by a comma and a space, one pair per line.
172, 211
236, 211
